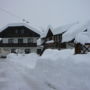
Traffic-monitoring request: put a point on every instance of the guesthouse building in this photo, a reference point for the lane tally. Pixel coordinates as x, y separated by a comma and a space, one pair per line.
19, 38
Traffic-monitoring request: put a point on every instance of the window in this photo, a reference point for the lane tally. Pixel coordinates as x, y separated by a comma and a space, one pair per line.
60, 38
38, 51
30, 40
27, 51
55, 38
20, 40
50, 38
10, 41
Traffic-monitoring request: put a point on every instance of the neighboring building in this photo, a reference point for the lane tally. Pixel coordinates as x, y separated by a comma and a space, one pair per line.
19, 38
22, 38
53, 41
80, 33
52, 38
82, 45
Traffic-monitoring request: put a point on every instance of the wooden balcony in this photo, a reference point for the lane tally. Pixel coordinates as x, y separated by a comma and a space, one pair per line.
18, 44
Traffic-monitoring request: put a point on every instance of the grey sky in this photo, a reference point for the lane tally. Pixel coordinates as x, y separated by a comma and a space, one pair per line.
41, 13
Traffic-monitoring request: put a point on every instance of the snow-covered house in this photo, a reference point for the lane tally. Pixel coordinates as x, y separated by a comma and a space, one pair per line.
80, 33
82, 40
19, 38
52, 38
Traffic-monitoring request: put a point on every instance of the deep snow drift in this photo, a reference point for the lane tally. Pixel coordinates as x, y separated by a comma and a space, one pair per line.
54, 70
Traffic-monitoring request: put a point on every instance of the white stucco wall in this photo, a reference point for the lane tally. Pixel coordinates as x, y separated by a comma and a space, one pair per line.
4, 40
25, 39
19, 49
7, 50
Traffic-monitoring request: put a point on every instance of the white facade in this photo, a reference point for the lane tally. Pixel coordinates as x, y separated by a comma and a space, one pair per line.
20, 39
19, 49
32, 49
25, 39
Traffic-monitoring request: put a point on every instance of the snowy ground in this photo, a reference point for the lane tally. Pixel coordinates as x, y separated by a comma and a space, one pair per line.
54, 70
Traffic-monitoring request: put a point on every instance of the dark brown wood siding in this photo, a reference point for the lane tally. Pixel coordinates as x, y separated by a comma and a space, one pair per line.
18, 31
82, 49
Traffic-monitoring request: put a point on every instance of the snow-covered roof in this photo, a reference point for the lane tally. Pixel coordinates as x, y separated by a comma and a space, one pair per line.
71, 33
21, 24
44, 34
78, 33
63, 28
58, 30
50, 41
82, 37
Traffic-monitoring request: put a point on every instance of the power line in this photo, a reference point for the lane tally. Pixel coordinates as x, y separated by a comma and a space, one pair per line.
14, 15
10, 13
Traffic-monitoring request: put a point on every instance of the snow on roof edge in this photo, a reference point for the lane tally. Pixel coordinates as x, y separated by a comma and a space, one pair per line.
21, 24
46, 31
71, 33
64, 28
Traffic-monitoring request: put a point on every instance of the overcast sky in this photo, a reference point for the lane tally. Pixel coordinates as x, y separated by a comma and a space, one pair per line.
41, 13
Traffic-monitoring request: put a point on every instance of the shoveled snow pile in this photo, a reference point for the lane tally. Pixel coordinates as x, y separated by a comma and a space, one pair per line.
56, 54
56, 70
27, 60
72, 73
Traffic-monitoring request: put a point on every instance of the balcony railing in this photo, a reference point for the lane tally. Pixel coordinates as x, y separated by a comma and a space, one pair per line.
18, 44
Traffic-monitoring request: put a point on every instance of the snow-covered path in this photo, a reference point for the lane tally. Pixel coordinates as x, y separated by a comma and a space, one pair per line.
32, 72
14, 77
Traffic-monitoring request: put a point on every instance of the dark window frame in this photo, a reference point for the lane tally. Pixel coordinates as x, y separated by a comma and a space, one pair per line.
30, 40
20, 40
10, 40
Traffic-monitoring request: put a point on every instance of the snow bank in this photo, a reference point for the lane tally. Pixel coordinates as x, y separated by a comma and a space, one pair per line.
56, 54
27, 60
70, 73
57, 70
